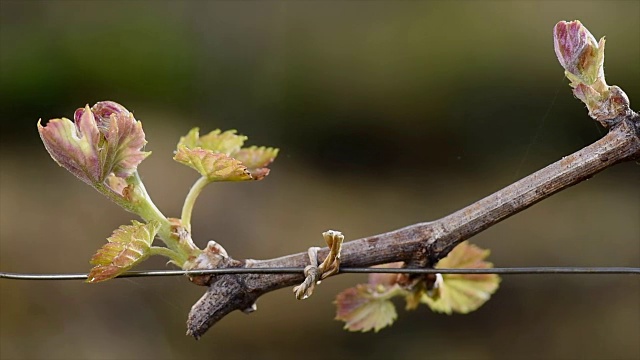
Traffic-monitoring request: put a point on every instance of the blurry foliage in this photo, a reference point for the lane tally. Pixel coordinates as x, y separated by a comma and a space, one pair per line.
335, 82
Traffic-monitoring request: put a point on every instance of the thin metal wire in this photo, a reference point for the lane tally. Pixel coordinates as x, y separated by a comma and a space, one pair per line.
295, 270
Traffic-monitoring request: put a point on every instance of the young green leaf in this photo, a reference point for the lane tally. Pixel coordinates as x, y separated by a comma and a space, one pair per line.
365, 308
463, 293
213, 166
191, 140
227, 142
211, 156
127, 246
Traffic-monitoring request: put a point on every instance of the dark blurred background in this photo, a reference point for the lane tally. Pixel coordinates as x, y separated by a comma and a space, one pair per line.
386, 113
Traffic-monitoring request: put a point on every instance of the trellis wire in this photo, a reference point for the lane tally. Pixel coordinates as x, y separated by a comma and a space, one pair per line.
354, 270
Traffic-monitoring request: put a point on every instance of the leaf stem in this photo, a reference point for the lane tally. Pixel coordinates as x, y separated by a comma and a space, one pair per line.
147, 209
180, 248
190, 201
166, 252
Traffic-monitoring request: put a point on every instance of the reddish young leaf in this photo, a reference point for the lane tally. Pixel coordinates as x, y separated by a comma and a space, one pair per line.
127, 246
363, 308
384, 279
74, 146
256, 159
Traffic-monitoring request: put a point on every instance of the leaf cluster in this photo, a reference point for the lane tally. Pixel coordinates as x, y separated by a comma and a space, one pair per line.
367, 307
103, 147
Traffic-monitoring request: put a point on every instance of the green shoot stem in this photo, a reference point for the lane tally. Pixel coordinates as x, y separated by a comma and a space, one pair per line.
141, 204
148, 210
178, 259
190, 201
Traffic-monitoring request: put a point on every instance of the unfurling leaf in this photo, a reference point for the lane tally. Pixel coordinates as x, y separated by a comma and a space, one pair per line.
127, 246
363, 308
463, 293
74, 146
213, 166
105, 140
209, 148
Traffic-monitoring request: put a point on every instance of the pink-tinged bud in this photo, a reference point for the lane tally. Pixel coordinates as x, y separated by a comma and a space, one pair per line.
102, 112
104, 109
578, 51
104, 141
583, 60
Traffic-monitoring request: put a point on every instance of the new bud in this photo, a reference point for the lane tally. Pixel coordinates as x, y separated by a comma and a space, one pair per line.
103, 111
578, 51
582, 57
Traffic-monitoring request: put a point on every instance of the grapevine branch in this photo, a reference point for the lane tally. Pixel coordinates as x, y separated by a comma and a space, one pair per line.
104, 145
421, 244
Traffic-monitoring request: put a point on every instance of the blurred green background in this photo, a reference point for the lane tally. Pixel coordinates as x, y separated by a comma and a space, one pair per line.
386, 113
